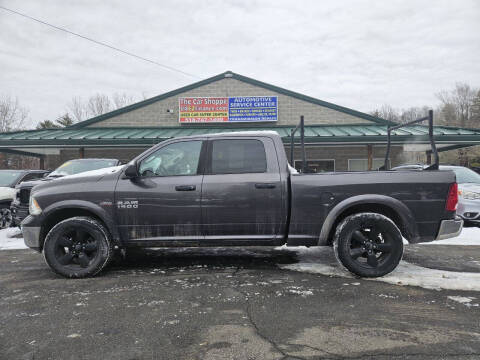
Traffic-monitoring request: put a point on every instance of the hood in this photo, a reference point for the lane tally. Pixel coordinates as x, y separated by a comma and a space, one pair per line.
31, 184
87, 176
7, 193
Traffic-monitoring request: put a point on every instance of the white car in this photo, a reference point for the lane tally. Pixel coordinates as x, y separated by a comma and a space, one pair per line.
8, 180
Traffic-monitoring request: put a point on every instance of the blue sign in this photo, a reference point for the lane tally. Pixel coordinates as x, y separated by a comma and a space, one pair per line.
252, 108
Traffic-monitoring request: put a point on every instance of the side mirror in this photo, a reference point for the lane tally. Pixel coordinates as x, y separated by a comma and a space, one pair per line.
131, 171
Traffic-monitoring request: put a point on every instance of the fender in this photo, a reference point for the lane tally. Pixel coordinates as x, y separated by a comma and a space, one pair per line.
85, 205
406, 216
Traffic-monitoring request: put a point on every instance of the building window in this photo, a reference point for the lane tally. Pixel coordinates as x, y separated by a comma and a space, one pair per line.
362, 164
317, 166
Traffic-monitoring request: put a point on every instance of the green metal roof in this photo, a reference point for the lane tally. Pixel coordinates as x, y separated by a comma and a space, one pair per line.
128, 136
232, 75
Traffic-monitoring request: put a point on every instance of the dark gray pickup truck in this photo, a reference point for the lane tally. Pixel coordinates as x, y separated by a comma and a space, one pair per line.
236, 189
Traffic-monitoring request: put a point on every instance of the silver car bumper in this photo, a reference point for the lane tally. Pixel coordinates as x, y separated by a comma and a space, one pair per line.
449, 229
469, 210
31, 237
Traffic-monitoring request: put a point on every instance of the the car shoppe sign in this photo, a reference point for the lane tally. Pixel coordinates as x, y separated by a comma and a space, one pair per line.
228, 109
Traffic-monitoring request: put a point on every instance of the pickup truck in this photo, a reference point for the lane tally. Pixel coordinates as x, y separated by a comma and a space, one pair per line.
236, 189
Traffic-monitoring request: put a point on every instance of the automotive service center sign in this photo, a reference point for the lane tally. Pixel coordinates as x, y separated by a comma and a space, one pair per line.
228, 109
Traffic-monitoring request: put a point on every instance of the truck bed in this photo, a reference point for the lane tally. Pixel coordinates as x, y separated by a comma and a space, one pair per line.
420, 195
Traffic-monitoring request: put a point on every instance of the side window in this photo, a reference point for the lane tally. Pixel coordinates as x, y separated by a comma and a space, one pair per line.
176, 159
238, 156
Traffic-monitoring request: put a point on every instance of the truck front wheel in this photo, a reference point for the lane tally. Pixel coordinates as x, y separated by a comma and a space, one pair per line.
78, 247
368, 244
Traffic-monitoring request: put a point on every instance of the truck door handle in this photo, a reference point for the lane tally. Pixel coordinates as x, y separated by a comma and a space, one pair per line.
265, 186
185, 187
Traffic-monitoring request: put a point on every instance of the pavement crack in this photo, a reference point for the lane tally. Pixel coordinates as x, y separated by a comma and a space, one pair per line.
330, 354
263, 336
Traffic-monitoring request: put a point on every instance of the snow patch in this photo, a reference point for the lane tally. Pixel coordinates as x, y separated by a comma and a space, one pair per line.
98, 172
461, 299
320, 260
11, 239
467, 301
468, 236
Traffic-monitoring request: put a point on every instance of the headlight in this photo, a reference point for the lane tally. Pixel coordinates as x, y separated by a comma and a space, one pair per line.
469, 195
34, 208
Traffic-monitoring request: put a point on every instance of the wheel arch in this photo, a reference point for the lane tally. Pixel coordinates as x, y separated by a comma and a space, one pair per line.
392, 208
68, 209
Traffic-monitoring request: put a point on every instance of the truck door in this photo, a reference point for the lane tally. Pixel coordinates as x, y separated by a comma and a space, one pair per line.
163, 203
242, 191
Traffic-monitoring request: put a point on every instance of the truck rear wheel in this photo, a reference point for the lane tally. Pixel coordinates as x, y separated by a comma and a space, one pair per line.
368, 244
78, 247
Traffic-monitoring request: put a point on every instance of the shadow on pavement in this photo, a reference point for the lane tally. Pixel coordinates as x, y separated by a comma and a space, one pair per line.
254, 257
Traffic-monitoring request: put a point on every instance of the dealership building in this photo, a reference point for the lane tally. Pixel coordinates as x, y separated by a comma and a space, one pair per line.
337, 138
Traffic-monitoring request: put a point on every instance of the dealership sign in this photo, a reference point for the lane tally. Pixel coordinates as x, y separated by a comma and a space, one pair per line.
228, 109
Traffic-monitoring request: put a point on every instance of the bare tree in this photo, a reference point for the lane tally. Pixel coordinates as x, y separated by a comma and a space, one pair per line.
386, 112
458, 102
78, 109
98, 104
413, 113
13, 116
122, 99
476, 110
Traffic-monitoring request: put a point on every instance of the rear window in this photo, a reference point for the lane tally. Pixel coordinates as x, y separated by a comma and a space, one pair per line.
238, 156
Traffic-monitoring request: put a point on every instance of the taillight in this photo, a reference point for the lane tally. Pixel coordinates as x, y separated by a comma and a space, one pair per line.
452, 198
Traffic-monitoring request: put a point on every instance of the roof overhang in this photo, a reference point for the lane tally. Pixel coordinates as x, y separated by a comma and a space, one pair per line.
39, 141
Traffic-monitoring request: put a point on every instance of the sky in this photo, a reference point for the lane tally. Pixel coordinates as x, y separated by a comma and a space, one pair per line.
359, 54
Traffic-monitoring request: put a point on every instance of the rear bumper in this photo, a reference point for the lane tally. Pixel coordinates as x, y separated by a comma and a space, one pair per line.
449, 229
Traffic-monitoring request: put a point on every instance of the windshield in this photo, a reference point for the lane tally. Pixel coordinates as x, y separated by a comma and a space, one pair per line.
78, 166
465, 175
9, 177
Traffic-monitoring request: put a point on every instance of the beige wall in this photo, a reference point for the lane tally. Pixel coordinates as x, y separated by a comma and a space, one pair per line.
289, 108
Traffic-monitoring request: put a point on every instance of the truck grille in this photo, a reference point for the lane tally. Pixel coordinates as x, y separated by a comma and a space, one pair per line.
24, 196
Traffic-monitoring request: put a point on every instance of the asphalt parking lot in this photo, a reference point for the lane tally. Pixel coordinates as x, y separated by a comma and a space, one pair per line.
233, 304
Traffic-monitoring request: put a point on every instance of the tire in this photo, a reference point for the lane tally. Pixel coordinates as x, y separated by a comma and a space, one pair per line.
6, 218
78, 247
368, 244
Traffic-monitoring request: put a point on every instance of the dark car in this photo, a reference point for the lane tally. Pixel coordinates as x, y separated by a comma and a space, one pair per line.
8, 180
237, 189
19, 206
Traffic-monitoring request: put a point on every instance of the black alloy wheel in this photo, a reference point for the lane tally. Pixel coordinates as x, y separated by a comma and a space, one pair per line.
78, 247
368, 244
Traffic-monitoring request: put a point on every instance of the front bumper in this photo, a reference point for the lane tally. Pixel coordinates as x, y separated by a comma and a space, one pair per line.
449, 229
19, 212
31, 237
31, 229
